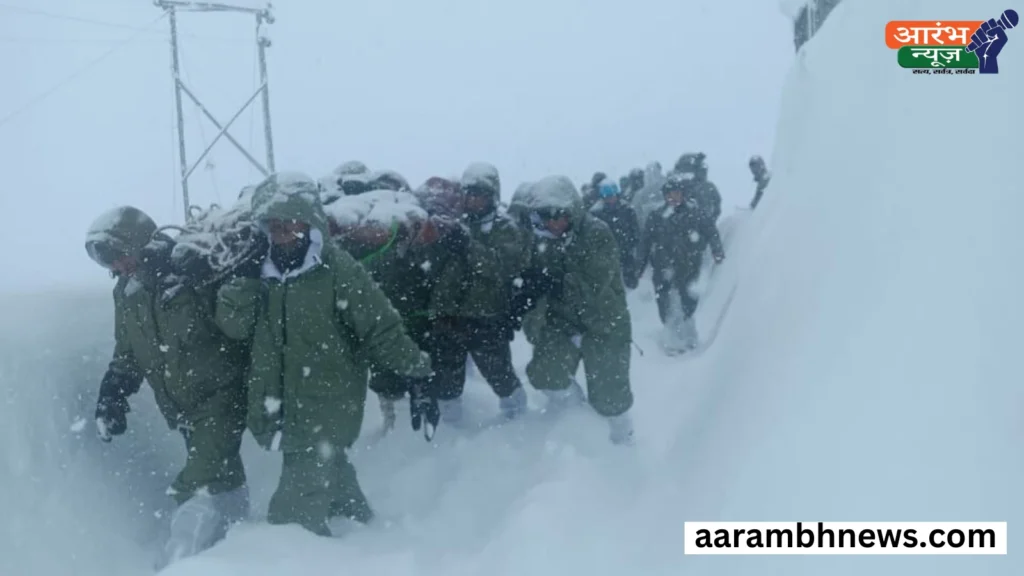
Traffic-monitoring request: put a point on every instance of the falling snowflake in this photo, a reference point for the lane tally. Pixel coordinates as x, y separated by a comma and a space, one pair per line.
306, 371
425, 266
694, 236
78, 425
342, 304
164, 348
273, 405
518, 282
325, 449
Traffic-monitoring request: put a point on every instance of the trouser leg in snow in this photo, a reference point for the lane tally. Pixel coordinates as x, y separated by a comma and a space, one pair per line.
605, 362
316, 486
663, 294
534, 320
491, 349
213, 464
448, 359
686, 298
202, 521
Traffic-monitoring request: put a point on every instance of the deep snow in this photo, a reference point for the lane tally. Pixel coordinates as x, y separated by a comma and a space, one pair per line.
866, 370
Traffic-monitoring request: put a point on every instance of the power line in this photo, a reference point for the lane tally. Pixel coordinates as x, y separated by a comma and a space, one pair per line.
71, 18
164, 38
55, 88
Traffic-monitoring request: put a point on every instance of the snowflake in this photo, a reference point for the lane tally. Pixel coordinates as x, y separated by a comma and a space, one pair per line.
273, 405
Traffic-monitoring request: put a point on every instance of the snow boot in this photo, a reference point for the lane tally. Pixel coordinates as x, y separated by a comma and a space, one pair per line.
387, 411
202, 521
513, 405
451, 412
688, 336
561, 400
621, 429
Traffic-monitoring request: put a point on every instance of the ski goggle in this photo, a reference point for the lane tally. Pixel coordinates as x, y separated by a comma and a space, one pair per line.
104, 253
478, 190
547, 214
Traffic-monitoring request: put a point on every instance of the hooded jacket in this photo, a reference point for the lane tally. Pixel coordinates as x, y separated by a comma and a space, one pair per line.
588, 294
315, 331
498, 252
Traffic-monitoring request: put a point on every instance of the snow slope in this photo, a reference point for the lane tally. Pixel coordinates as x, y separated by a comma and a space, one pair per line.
865, 370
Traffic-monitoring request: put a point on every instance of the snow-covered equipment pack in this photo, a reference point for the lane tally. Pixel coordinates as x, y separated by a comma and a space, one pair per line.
388, 180
215, 243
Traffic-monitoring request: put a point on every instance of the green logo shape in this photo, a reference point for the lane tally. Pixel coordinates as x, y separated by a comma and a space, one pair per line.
936, 57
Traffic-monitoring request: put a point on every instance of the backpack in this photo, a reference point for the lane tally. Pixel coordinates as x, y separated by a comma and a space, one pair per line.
216, 244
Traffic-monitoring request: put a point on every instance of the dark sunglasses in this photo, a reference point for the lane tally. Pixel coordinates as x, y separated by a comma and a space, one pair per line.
551, 214
479, 191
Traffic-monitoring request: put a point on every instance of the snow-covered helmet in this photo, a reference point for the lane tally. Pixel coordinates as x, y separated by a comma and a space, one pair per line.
481, 178
120, 232
351, 167
684, 182
693, 163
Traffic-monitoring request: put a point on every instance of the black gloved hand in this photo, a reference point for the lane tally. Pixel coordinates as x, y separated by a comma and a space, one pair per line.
423, 407
111, 417
112, 406
455, 239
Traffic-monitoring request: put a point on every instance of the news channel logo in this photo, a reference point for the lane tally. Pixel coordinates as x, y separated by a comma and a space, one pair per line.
950, 47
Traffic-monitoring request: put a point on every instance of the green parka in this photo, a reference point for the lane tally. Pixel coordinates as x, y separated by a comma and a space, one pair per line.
498, 253
315, 333
590, 296
422, 282
165, 333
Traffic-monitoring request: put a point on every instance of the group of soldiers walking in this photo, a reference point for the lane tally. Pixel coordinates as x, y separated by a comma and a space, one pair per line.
282, 325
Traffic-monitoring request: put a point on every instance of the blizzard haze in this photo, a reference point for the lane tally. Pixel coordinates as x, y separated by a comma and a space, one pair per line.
534, 86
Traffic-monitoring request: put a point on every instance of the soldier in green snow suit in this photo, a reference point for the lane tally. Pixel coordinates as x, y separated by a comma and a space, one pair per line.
497, 254
165, 333
417, 266
317, 321
586, 318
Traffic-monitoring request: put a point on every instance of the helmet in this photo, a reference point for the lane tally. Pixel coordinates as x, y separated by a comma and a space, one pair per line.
608, 188
757, 165
693, 162
481, 178
684, 182
351, 167
121, 232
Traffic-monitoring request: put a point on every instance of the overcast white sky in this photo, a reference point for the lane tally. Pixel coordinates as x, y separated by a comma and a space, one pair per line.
420, 86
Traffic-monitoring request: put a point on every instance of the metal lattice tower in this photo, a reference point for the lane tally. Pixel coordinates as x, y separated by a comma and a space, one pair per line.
263, 17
